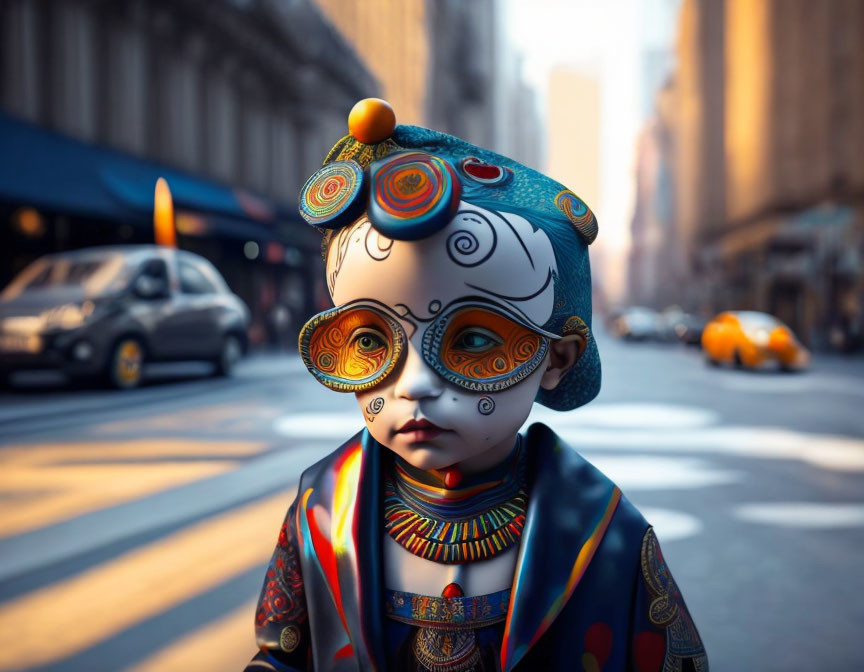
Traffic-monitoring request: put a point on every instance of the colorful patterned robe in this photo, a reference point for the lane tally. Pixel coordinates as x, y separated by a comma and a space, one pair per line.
591, 590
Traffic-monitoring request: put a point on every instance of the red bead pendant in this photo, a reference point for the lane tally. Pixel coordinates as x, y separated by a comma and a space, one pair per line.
452, 590
452, 477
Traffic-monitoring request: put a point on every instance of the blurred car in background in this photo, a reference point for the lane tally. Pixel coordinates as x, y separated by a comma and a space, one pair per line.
638, 324
682, 326
752, 339
106, 311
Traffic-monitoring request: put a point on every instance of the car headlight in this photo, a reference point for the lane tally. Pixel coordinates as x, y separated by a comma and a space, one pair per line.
24, 324
68, 316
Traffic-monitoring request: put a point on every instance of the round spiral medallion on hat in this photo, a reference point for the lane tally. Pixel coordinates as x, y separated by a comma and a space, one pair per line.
333, 196
578, 213
413, 195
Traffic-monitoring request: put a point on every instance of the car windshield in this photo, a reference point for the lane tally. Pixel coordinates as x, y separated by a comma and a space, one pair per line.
754, 320
95, 274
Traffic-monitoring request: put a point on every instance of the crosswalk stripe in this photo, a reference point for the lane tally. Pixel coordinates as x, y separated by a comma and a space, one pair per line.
62, 481
106, 599
48, 495
226, 645
127, 449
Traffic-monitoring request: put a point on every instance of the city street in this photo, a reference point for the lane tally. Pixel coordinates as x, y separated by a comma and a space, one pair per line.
135, 526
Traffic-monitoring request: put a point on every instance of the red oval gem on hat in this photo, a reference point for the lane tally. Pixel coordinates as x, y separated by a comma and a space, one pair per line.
481, 171
485, 171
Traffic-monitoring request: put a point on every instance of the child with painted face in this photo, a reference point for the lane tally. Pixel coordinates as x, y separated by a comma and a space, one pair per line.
439, 538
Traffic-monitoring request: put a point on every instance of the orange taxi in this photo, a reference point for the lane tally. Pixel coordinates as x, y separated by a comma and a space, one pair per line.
752, 339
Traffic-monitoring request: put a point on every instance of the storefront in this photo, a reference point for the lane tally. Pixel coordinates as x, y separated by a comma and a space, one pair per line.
805, 268
57, 194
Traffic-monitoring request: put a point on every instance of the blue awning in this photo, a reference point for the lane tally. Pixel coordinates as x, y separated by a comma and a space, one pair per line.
53, 172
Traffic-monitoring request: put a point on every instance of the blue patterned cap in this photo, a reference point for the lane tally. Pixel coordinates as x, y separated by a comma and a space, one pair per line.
492, 181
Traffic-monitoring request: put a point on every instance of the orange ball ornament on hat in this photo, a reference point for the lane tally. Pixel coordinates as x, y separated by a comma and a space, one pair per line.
371, 120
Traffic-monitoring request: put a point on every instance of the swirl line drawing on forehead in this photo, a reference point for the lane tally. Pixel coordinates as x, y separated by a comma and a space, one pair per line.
517, 234
467, 248
343, 237
405, 312
374, 247
436, 308
510, 299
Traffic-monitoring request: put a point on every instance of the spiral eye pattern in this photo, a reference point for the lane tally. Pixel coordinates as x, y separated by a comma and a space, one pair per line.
351, 348
414, 194
333, 196
578, 213
516, 355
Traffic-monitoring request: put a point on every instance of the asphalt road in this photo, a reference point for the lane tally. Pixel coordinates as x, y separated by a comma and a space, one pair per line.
135, 527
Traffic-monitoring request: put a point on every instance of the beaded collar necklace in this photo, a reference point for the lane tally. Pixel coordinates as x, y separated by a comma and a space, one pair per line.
481, 518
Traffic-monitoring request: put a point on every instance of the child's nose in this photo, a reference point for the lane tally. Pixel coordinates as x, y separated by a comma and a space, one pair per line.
416, 379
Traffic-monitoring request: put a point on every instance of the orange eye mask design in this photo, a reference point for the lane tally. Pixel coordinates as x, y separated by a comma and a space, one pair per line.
351, 350
482, 349
479, 344
354, 347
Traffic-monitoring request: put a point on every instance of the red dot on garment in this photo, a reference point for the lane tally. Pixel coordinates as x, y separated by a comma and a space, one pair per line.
452, 478
650, 650
452, 590
598, 642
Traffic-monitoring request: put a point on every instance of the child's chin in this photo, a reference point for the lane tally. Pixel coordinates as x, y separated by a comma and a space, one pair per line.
425, 456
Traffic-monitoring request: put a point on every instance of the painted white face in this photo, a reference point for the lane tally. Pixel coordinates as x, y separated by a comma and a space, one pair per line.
498, 258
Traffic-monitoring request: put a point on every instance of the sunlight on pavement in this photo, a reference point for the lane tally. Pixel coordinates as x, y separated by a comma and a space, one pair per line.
232, 417
108, 598
837, 453
41, 485
61, 493
107, 451
631, 415
807, 515
226, 645
641, 472
672, 525
583, 431
336, 426
794, 384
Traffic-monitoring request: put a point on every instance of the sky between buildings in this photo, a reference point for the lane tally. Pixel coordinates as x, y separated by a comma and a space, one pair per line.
596, 65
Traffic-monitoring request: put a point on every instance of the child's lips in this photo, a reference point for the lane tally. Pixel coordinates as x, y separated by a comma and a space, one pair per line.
419, 430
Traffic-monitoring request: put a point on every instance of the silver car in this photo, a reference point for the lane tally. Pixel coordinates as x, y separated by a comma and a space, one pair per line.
106, 311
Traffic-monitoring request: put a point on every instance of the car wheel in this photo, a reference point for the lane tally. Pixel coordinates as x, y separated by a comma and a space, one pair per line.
736, 360
126, 364
229, 355
710, 361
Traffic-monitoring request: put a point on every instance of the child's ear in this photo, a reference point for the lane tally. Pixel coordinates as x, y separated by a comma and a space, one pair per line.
563, 355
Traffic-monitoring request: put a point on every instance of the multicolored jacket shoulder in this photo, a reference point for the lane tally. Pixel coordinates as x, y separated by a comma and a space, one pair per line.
591, 590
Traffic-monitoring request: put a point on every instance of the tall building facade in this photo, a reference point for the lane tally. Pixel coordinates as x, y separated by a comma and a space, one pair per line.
657, 270
768, 168
234, 102
393, 39
463, 41
574, 122
435, 59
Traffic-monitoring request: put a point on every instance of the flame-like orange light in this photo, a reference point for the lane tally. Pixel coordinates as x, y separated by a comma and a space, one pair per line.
163, 215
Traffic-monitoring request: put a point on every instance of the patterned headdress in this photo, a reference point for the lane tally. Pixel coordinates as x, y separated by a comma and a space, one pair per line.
409, 180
